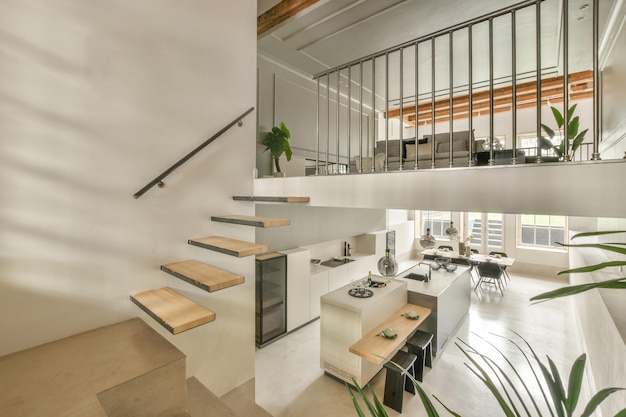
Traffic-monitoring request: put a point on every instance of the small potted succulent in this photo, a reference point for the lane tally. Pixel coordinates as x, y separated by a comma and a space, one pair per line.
277, 142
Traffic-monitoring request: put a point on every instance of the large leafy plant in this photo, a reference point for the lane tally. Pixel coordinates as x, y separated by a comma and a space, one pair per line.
617, 283
536, 389
277, 142
574, 139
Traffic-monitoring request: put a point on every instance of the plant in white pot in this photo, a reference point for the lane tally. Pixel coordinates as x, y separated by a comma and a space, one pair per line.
277, 142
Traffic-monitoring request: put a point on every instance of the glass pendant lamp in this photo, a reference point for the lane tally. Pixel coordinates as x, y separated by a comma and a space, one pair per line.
452, 232
387, 265
427, 240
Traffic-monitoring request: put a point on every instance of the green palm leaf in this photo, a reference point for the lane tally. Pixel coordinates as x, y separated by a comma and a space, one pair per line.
574, 384
587, 234
598, 398
618, 283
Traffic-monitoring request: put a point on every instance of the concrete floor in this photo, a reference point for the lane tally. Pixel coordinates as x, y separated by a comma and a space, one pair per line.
289, 381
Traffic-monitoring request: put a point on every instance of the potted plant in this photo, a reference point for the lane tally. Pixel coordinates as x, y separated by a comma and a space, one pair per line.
277, 142
572, 133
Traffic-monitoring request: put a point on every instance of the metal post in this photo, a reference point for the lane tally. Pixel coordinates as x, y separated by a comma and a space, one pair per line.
317, 111
417, 78
470, 87
349, 114
400, 167
327, 122
566, 145
432, 81
538, 62
373, 124
337, 118
514, 86
491, 152
386, 111
597, 128
360, 117
451, 92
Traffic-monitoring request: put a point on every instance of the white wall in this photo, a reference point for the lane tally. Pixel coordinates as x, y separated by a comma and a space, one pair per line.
96, 99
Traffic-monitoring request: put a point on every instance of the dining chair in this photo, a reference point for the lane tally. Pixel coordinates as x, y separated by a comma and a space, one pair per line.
504, 255
490, 273
475, 251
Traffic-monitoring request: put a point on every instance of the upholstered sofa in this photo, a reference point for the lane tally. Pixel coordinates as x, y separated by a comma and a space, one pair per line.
422, 151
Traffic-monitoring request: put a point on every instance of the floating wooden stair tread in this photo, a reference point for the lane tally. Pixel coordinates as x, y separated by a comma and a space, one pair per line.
273, 199
228, 246
204, 276
173, 311
251, 220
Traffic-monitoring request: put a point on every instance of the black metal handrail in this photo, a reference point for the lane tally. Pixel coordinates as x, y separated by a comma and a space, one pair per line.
159, 180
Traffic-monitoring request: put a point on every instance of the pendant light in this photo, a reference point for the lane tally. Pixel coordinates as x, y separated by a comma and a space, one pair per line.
387, 265
427, 241
452, 232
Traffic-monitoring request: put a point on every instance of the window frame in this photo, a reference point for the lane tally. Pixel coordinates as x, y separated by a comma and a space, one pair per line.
534, 246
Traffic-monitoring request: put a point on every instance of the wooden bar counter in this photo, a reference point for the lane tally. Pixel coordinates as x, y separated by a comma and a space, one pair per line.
379, 349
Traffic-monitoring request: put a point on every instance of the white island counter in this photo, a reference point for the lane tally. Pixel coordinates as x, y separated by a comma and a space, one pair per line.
447, 294
346, 319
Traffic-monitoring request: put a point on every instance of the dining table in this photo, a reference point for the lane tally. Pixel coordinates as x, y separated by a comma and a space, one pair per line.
474, 258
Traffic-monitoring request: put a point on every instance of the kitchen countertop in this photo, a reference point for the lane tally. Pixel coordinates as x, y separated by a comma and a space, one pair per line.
440, 280
341, 298
355, 257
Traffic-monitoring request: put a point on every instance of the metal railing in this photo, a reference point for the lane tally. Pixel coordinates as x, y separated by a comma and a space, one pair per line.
159, 179
331, 79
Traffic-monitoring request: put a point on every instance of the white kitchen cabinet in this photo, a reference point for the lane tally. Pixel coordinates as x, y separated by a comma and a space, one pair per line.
298, 287
319, 287
338, 277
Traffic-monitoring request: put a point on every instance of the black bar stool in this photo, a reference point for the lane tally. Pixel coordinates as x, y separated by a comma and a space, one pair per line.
396, 382
420, 344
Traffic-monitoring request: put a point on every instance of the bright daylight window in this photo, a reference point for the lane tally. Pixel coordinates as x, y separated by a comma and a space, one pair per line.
528, 142
436, 221
541, 231
481, 225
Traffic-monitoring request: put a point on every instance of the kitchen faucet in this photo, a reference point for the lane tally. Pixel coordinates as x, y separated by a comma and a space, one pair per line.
430, 268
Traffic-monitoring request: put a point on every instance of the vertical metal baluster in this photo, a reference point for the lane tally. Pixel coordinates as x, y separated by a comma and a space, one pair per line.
566, 146
514, 86
386, 111
491, 151
400, 167
317, 111
417, 78
349, 113
373, 121
337, 116
538, 59
470, 97
432, 82
451, 92
360, 117
597, 127
327, 122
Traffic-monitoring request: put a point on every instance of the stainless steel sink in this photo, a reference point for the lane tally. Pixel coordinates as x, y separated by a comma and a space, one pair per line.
336, 262
417, 277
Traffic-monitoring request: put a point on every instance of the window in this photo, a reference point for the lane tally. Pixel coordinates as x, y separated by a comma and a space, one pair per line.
528, 142
436, 221
541, 231
486, 230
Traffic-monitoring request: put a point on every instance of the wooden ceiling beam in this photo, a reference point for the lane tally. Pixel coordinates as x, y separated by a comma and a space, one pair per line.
281, 12
552, 92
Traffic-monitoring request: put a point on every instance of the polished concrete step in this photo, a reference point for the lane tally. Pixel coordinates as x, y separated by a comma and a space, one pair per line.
228, 246
272, 199
204, 276
242, 401
124, 369
251, 220
203, 403
173, 311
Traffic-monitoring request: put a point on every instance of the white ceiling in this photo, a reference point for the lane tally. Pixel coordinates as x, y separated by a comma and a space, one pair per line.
334, 32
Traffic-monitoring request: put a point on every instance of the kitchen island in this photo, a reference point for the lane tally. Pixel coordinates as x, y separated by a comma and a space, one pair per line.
447, 294
345, 319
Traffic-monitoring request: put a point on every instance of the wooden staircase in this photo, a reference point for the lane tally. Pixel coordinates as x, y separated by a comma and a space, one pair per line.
178, 313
